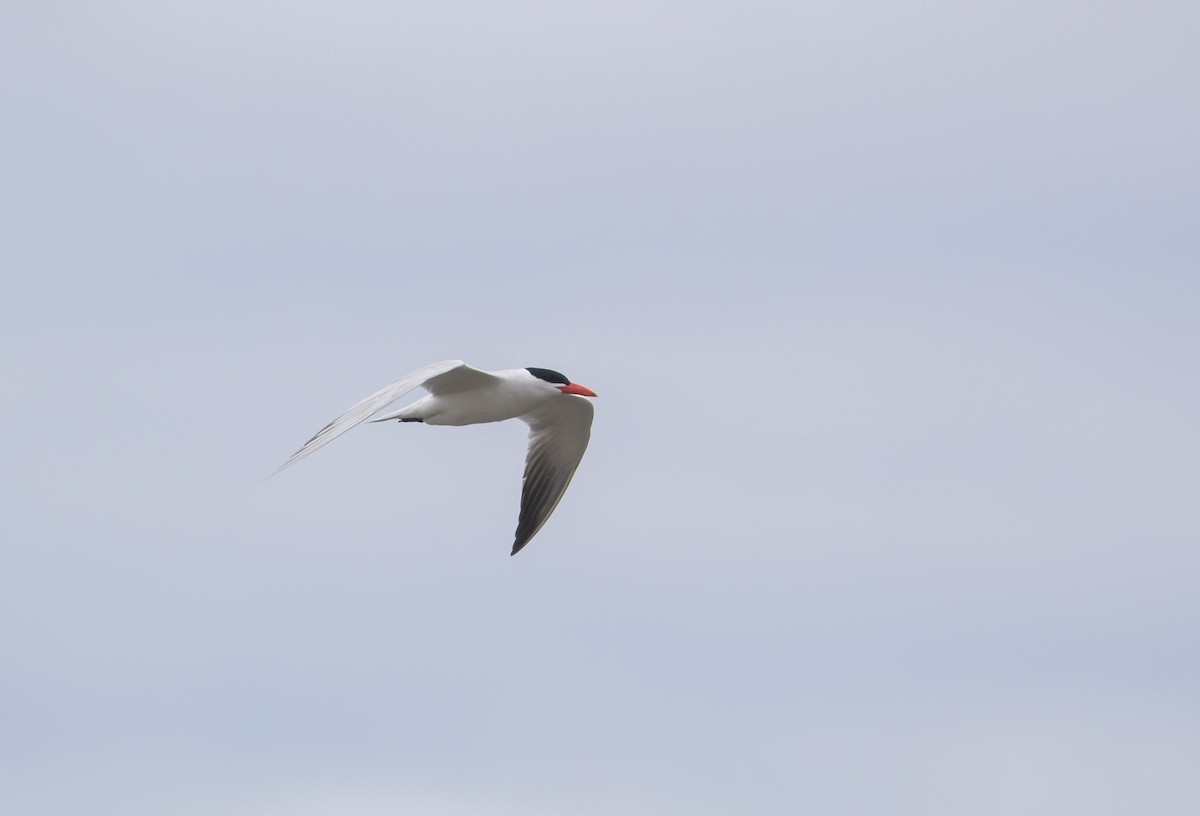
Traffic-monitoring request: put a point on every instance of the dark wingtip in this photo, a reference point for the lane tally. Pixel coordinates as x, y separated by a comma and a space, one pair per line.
517, 547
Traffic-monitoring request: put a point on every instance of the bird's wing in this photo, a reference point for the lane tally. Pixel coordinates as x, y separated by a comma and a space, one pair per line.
452, 370
558, 436
457, 380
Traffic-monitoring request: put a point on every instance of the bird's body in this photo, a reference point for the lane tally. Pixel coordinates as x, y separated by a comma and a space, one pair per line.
559, 420
479, 397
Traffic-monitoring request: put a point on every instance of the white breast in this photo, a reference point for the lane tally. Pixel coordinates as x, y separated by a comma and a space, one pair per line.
515, 393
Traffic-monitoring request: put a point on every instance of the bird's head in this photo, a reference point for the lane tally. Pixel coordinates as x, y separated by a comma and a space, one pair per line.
561, 382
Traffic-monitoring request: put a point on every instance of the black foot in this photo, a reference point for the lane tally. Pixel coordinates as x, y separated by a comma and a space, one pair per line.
414, 419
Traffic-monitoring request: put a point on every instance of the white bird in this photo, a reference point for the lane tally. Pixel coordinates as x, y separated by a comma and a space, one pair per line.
559, 420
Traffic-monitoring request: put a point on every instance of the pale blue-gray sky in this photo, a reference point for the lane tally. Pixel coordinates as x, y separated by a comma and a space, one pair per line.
891, 500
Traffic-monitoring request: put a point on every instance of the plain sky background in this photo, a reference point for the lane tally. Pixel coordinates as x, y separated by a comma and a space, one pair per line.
891, 502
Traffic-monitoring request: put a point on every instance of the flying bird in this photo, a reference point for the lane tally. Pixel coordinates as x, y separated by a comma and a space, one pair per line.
559, 420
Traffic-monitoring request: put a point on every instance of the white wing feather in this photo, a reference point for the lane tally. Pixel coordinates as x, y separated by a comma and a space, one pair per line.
371, 405
558, 436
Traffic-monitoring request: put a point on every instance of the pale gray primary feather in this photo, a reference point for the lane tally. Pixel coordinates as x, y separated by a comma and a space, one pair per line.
451, 374
558, 436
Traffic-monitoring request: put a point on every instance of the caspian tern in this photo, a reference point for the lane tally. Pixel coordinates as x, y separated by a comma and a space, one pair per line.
560, 423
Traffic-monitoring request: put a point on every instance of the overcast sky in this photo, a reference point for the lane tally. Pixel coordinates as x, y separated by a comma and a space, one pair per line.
891, 502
